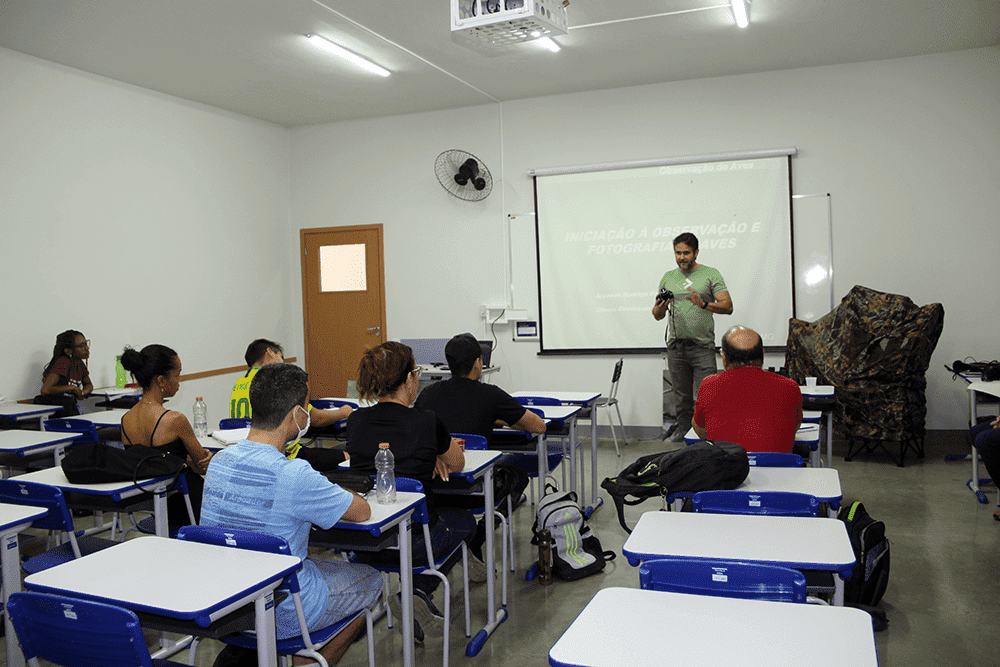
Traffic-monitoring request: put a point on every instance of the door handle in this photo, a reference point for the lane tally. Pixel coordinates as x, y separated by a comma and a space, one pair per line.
375, 329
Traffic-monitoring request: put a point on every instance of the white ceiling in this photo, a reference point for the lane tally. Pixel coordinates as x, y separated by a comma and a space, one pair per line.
251, 57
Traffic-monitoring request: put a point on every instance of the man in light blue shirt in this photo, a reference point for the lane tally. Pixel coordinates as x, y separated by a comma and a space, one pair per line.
253, 486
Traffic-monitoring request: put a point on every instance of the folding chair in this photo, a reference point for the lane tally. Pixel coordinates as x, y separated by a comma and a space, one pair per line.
421, 516
772, 503
77, 633
775, 460
59, 518
723, 578
611, 401
309, 642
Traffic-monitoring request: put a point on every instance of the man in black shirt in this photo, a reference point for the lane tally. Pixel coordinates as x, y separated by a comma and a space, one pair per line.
465, 404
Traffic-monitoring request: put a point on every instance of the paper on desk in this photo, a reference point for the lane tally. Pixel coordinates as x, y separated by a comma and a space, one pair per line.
231, 436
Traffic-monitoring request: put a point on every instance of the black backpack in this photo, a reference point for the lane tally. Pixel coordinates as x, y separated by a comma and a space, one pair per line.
867, 583
703, 466
576, 551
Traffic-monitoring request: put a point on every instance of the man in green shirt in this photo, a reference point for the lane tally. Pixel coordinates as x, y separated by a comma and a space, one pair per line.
699, 293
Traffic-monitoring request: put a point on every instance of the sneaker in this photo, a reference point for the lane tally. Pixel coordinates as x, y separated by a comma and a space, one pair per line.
427, 619
678, 436
397, 613
477, 569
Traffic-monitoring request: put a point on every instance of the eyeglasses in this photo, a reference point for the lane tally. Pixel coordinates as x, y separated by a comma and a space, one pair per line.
85, 343
418, 371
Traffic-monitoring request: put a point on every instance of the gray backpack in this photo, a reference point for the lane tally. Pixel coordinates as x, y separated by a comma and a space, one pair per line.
576, 551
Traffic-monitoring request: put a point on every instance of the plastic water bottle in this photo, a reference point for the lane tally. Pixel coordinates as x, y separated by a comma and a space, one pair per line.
385, 477
200, 418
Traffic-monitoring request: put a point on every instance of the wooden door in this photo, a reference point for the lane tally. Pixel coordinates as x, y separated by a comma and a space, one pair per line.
343, 302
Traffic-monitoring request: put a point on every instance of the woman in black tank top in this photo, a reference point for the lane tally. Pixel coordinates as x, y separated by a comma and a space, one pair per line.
157, 369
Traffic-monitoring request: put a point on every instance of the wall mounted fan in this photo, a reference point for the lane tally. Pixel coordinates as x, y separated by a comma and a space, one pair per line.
463, 175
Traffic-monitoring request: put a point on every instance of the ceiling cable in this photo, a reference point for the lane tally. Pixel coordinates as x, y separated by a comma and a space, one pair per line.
650, 16
403, 48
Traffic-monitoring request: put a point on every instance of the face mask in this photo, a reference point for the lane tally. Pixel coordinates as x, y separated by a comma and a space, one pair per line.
302, 431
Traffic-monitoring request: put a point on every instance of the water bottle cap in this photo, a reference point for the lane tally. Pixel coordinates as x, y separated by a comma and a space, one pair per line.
383, 445
199, 398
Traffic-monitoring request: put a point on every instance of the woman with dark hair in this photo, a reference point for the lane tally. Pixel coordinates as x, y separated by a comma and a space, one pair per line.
66, 378
157, 369
423, 449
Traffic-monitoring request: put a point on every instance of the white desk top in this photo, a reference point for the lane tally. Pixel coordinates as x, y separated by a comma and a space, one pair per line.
384, 516
640, 628
225, 437
16, 440
115, 392
991, 388
812, 416
818, 391
799, 542
56, 477
807, 433
104, 418
558, 412
429, 370
227, 576
564, 396
823, 483
16, 515
22, 410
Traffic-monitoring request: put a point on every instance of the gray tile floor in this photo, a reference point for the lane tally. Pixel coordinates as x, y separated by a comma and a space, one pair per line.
943, 599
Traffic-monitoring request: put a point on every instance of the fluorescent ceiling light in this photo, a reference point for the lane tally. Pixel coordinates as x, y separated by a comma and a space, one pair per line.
550, 44
740, 13
350, 56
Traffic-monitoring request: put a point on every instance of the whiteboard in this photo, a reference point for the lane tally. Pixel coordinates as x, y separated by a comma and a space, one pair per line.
812, 245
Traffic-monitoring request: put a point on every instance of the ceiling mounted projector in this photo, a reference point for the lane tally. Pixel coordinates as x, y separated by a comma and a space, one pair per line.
493, 27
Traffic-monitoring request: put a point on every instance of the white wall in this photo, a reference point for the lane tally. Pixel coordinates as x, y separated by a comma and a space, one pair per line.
909, 149
136, 218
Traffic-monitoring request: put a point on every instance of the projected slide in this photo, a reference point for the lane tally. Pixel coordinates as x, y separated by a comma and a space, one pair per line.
605, 240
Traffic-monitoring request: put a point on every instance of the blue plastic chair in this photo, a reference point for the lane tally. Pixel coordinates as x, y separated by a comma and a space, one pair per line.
477, 442
775, 460
33, 494
78, 633
556, 430
527, 460
537, 400
331, 403
71, 425
421, 516
723, 578
234, 422
147, 526
771, 503
309, 643
335, 431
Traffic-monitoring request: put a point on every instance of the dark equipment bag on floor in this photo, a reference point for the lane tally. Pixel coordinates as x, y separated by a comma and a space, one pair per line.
704, 466
871, 574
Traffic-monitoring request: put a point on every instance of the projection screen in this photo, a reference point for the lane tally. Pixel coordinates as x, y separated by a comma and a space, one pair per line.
605, 239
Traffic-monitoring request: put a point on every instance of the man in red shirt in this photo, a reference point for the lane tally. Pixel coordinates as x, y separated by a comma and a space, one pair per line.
746, 404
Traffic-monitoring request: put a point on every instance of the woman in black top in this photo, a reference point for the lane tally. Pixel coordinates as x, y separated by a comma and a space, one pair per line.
422, 449
157, 369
